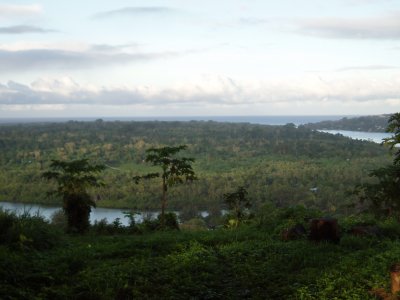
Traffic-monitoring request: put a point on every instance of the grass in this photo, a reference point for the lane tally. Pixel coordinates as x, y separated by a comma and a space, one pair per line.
247, 263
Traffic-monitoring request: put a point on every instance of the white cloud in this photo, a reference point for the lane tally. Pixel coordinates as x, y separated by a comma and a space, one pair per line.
384, 27
134, 10
30, 107
11, 11
214, 91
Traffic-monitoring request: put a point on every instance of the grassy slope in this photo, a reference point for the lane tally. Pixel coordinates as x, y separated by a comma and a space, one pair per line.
223, 264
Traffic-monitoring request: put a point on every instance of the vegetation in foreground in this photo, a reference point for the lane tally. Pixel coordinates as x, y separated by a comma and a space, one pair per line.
255, 260
38, 261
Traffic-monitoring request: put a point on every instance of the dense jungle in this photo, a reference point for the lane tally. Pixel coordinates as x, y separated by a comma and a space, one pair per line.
268, 180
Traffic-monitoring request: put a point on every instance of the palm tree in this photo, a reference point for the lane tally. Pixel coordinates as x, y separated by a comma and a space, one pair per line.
174, 170
73, 179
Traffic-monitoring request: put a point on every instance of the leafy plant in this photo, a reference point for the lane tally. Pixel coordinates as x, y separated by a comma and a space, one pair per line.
384, 194
27, 231
73, 179
174, 171
239, 204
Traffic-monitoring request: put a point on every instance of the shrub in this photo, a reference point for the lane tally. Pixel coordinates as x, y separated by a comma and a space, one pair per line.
346, 223
170, 221
59, 219
26, 231
194, 224
390, 227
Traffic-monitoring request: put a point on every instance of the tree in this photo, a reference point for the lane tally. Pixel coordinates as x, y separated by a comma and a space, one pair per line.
174, 170
238, 203
73, 179
393, 141
384, 195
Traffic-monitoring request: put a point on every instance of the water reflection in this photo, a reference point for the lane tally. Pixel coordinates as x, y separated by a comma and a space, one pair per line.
97, 214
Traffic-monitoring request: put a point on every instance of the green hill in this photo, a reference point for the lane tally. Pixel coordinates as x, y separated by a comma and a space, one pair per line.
278, 164
376, 123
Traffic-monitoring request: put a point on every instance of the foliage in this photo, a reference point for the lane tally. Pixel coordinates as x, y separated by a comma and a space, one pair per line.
393, 141
102, 227
275, 220
239, 204
219, 264
26, 232
59, 219
383, 195
74, 178
174, 171
278, 164
194, 224
169, 221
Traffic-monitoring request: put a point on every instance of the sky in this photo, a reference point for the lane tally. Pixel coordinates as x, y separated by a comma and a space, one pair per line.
130, 58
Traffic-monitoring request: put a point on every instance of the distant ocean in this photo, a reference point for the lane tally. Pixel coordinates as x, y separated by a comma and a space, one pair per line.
264, 120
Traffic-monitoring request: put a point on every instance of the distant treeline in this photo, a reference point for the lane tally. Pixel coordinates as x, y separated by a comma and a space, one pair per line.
376, 123
283, 165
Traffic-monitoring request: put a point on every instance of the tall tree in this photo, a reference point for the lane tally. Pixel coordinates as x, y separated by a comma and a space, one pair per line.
174, 170
384, 194
393, 142
73, 179
239, 203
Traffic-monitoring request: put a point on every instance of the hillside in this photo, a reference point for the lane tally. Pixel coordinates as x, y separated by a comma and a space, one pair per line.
250, 262
278, 164
376, 123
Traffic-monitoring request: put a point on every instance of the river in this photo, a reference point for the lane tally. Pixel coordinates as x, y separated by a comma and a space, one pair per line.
97, 214
361, 135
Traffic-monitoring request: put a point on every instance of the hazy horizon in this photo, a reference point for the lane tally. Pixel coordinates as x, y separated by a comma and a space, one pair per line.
263, 120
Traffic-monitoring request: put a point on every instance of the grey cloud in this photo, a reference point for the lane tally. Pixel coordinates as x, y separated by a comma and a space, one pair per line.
21, 29
229, 92
113, 48
385, 27
18, 94
143, 10
62, 59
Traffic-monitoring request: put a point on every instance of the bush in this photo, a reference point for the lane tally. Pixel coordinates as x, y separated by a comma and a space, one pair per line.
390, 227
59, 219
7, 221
356, 242
194, 224
26, 231
275, 220
347, 223
170, 221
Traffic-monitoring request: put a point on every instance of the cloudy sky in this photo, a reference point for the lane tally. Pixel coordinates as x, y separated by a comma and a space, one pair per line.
209, 57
